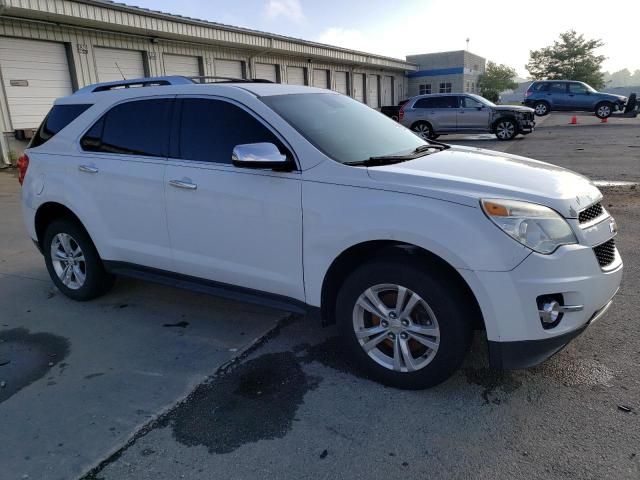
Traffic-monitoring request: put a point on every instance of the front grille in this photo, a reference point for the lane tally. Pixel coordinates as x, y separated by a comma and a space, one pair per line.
588, 214
605, 253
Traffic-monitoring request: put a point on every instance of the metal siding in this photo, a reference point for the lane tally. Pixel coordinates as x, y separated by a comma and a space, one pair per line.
295, 75
113, 63
358, 87
45, 68
266, 71
181, 65
341, 82
320, 78
228, 68
372, 92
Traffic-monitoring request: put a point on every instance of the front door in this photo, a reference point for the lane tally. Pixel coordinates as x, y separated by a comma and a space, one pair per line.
579, 97
236, 226
472, 115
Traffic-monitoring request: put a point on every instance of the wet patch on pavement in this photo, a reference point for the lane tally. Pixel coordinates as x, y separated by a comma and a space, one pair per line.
29, 357
330, 353
258, 400
491, 381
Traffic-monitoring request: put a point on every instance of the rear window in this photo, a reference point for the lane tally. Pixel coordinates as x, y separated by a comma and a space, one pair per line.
59, 117
437, 102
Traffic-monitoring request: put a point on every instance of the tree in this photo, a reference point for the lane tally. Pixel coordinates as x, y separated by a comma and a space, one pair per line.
570, 58
495, 79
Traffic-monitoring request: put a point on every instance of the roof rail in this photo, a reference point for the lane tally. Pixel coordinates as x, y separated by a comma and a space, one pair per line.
209, 79
135, 83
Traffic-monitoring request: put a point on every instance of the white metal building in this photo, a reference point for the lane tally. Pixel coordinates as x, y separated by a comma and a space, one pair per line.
50, 48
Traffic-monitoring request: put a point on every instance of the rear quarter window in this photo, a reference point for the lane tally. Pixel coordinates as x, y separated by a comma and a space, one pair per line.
58, 118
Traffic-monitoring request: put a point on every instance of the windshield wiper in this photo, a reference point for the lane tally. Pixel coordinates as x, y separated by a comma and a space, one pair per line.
391, 159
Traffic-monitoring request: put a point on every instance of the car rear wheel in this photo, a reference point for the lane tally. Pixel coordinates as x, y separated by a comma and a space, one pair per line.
506, 129
541, 108
73, 262
423, 130
405, 326
604, 110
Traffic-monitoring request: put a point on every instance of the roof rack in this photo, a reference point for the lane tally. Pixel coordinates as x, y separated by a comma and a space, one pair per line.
135, 83
210, 79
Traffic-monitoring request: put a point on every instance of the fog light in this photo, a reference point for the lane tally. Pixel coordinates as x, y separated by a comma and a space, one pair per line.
549, 312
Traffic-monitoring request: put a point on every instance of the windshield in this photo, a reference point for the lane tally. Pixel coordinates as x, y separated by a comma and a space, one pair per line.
342, 128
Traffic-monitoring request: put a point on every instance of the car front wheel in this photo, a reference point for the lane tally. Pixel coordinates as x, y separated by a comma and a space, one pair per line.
73, 262
405, 326
604, 110
506, 129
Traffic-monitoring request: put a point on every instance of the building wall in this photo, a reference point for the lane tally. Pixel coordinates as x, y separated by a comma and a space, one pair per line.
81, 43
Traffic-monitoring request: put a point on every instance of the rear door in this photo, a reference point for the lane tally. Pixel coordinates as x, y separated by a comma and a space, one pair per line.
236, 226
440, 112
556, 93
472, 115
121, 172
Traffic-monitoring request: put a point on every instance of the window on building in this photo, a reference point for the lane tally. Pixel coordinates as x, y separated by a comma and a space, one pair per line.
468, 89
424, 89
445, 87
210, 129
134, 128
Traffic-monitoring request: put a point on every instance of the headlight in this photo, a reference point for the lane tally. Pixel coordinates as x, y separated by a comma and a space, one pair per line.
535, 226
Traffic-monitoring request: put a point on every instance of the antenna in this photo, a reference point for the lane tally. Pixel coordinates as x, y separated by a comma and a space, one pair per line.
467, 44
123, 77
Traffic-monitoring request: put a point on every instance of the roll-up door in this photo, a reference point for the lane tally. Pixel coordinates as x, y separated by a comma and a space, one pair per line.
266, 71
387, 90
295, 75
187, 66
34, 73
342, 83
372, 92
358, 86
229, 68
320, 78
115, 63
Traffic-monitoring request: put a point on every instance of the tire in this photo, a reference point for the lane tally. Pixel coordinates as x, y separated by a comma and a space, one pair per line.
440, 309
394, 118
423, 130
506, 129
604, 110
86, 277
541, 108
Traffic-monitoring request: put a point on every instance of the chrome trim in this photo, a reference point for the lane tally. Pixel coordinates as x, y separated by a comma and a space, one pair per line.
183, 184
87, 169
571, 308
605, 215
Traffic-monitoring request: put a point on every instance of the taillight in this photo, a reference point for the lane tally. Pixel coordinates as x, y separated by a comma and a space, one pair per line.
23, 164
401, 112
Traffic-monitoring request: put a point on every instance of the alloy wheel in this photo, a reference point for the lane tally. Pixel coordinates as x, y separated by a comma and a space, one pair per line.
68, 261
422, 130
541, 109
604, 111
396, 327
505, 130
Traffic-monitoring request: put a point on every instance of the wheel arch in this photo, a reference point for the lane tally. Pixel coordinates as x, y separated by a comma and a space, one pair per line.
422, 121
50, 211
502, 117
358, 254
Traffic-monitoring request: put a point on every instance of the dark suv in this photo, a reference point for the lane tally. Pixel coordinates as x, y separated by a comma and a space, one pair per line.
544, 96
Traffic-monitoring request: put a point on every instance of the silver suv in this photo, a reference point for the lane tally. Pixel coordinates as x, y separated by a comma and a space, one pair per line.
432, 115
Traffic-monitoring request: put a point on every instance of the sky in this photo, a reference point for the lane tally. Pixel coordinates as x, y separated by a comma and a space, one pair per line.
503, 32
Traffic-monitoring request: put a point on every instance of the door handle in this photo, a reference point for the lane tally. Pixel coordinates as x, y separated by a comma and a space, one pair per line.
183, 184
87, 169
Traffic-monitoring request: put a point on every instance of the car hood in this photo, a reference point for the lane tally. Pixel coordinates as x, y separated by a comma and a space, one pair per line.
465, 174
512, 108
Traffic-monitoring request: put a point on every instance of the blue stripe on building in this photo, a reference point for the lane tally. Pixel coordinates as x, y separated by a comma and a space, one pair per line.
436, 72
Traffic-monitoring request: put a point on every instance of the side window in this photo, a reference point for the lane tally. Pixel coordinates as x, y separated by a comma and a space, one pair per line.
59, 117
424, 103
450, 101
468, 102
557, 87
139, 127
577, 88
210, 129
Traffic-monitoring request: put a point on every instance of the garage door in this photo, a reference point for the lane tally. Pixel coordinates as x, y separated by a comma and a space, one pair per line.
320, 78
342, 84
229, 68
181, 65
372, 92
114, 63
295, 75
358, 87
266, 71
35, 73
387, 90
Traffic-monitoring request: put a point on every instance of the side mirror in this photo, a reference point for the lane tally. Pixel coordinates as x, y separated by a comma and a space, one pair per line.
260, 155
480, 107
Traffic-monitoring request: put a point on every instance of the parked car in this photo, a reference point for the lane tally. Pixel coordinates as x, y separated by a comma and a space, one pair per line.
435, 114
548, 95
238, 190
393, 111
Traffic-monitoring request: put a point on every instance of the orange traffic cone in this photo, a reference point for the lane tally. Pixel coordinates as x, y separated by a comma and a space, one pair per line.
574, 120
603, 120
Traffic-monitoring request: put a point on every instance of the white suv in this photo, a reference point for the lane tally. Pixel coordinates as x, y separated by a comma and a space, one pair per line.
303, 199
